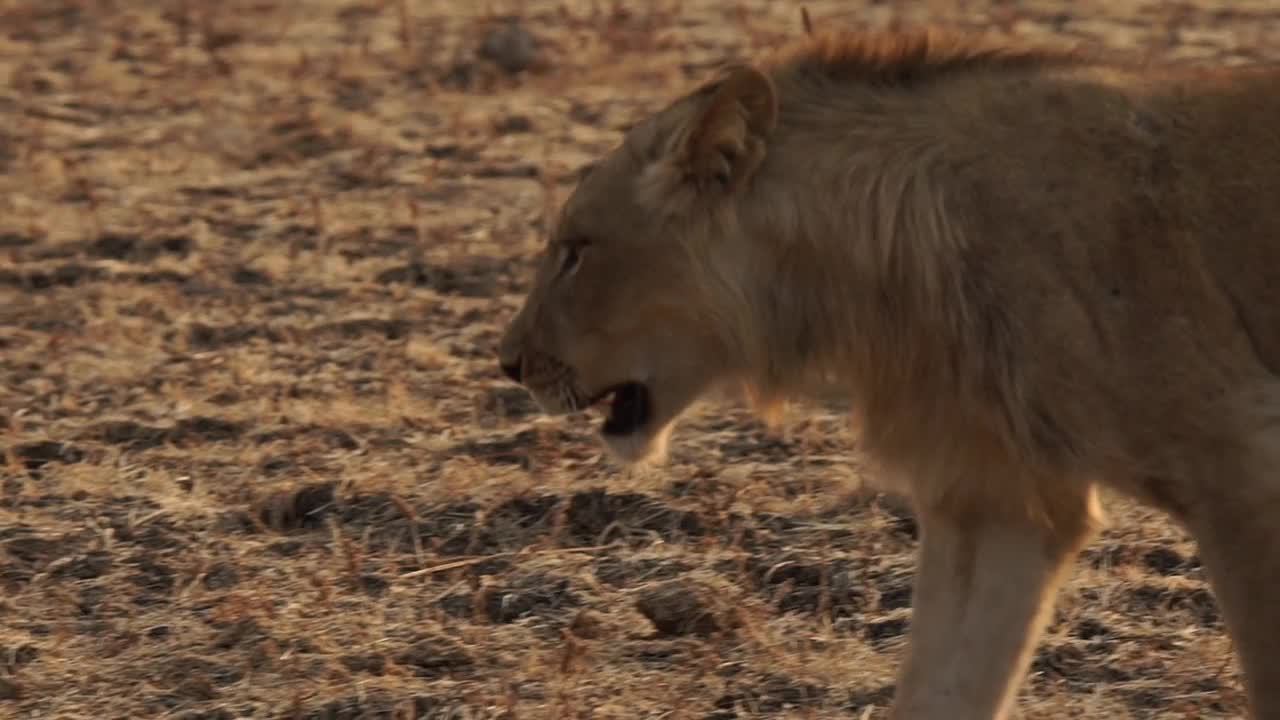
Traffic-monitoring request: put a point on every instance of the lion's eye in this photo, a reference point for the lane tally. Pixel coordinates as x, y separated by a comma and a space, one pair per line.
572, 257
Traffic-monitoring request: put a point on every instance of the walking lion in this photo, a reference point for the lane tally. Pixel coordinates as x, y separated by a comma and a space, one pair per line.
1033, 272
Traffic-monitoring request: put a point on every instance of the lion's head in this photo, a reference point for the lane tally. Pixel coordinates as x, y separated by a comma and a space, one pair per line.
635, 296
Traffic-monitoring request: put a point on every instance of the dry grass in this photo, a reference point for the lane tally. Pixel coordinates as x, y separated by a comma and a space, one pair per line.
256, 459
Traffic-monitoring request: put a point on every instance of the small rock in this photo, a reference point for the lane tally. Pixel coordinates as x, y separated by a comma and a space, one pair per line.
435, 657
886, 629
18, 656
221, 576
677, 608
373, 584
587, 625
1167, 561
298, 508
238, 632
196, 688
10, 240
1089, 629
510, 46
113, 245
249, 276
513, 124
35, 455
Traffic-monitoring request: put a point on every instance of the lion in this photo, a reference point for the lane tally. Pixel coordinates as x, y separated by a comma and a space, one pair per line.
1032, 271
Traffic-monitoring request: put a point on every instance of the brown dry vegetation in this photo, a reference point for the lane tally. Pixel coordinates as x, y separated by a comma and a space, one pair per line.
255, 458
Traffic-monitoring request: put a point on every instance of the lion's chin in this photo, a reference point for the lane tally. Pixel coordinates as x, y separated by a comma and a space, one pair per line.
641, 445
631, 430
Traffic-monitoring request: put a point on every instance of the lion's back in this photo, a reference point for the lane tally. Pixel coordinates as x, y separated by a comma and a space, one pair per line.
1123, 251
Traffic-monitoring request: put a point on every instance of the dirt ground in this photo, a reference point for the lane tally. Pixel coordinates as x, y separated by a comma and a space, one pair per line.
255, 456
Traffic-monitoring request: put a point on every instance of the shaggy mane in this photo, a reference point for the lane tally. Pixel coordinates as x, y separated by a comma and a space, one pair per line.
911, 57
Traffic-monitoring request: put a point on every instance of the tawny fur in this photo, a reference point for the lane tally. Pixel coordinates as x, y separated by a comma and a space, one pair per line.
1030, 271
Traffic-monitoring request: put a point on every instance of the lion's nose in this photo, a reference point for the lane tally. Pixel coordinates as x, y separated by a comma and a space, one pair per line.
511, 369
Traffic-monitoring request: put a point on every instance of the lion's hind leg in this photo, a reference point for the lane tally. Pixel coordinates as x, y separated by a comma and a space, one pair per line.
984, 590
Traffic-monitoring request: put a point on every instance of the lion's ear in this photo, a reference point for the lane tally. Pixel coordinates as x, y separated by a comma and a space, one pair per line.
724, 143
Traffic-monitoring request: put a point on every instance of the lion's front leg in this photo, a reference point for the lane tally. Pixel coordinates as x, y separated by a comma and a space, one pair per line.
984, 590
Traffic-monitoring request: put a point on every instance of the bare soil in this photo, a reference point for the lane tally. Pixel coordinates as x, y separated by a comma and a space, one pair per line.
255, 456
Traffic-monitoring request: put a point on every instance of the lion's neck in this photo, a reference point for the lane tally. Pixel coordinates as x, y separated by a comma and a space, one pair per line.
858, 252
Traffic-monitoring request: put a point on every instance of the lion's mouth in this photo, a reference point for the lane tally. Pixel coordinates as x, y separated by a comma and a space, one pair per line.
630, 408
